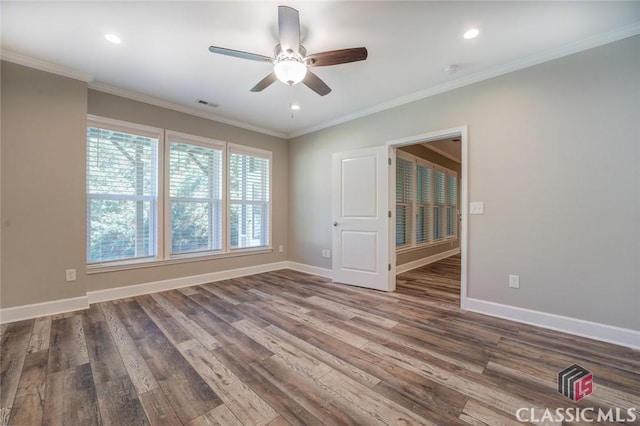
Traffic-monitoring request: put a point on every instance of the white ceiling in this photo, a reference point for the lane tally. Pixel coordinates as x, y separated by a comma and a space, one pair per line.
164, 59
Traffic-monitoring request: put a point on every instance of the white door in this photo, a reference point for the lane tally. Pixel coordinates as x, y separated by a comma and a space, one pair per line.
361, 230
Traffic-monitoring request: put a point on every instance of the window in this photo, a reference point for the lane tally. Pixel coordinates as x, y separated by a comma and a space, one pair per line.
249, 199
404, 201
155, 194
427, 193
438, 203
423, 203
195, 194
122, 193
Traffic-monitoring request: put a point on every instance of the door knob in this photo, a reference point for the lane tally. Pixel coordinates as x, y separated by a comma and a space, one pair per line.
335, 223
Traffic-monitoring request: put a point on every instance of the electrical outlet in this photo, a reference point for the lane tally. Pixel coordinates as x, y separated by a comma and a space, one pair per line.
514, 281
70, 275
281, 248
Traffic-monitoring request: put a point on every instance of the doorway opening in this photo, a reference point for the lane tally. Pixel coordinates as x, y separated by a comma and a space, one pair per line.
429, 198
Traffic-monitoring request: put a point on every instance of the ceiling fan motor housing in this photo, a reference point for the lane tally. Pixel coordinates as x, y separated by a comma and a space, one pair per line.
290, 63
280, 54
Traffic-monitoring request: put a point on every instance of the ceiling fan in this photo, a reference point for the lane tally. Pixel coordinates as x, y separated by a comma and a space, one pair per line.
290, 61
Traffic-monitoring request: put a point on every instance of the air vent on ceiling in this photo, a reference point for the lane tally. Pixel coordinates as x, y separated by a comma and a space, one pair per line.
207, 103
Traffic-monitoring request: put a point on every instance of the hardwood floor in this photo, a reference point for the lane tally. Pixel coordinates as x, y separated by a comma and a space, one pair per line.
288, 348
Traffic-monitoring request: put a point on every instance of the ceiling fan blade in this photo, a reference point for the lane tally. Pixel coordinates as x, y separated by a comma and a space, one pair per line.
264, 83
314, 83
335, 57
289, 27
240, 54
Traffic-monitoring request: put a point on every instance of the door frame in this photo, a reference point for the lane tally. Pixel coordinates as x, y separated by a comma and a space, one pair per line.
463, 234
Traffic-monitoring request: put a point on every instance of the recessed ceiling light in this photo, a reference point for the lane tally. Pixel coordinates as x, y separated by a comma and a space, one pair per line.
295, 107
471, 33
113, 38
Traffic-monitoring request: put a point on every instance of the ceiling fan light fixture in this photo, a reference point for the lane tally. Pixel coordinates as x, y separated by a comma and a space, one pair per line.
290, 60
290, 71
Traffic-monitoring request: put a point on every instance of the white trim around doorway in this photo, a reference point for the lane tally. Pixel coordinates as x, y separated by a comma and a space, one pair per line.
462, 133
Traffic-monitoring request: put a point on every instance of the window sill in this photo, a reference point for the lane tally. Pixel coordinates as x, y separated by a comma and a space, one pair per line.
100, 268
427, 245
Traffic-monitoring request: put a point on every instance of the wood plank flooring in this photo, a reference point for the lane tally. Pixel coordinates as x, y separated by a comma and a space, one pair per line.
287, 348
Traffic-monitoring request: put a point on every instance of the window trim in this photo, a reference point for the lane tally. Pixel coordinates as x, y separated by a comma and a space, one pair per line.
162, 237
97, 268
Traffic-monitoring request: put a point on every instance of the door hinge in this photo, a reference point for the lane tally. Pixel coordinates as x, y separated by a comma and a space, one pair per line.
389, 160
389, 267
389, 213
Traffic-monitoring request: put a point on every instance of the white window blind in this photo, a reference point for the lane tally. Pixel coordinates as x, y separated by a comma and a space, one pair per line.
426, 202
155, 195
121, 194
439, 204
195, 196
249, 198
404, 200
423, 202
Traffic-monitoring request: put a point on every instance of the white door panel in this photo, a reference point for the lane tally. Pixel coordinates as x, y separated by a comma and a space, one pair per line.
361, 218
359, 251
359, 187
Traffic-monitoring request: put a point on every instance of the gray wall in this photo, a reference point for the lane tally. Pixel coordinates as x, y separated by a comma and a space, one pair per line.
43, 186
553, 153
43, 195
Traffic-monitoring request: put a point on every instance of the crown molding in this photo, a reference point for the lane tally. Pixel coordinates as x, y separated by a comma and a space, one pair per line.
546, 56
135, 96
41, 65
549, 55
52, 68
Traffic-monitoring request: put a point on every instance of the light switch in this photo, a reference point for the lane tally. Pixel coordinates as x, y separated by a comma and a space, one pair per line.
476, 207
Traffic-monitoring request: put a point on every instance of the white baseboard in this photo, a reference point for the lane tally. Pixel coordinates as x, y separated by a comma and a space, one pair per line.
19, 313
156, 286
606, 333
597, 331
425, 261
313, 270
24, 312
